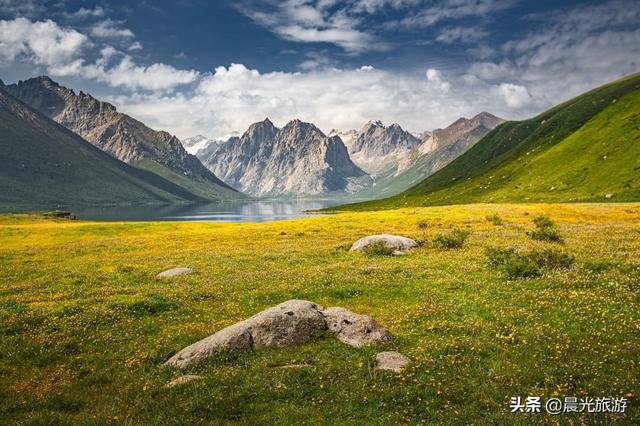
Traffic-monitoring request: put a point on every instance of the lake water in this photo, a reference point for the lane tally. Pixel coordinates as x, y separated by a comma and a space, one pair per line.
251, 211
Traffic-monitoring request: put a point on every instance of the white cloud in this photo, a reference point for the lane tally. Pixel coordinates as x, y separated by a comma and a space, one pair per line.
110, 29
434, 77
136, 45
311, 22
60, 51
461, 34
84, 13
447, 10
129, 75
570, 53
231, 98
45, 43
514, 95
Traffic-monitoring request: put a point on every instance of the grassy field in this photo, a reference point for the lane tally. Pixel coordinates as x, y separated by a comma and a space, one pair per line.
85, 326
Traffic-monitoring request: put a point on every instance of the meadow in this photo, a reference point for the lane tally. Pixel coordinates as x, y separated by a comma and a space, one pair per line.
85, 326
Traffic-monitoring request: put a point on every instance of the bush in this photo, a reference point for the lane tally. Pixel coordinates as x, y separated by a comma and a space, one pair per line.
422, 224
495, 219
59, 214
526, 265
378, 249
455, 239
546, 234
545, 230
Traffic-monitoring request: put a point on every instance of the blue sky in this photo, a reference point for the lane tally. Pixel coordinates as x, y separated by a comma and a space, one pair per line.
214, 67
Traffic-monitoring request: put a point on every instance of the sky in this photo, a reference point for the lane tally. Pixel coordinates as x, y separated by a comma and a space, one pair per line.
214, 67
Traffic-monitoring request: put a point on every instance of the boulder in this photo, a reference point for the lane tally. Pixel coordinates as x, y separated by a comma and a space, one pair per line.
394, 361
291, 322
355, 329
174, 272
394, 242
181, 380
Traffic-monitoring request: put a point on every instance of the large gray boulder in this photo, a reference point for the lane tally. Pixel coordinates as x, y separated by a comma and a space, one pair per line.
355, 329
289, 323
395, 242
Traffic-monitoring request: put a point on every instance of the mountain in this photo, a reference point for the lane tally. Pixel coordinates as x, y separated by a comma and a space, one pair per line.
297, 160
585, 149
121, 136
437, 149
196, 143
376, 147
44, 165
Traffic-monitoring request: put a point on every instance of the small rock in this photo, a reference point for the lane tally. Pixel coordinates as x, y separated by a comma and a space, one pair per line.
610, 195
174, 272
182, 380
398, 253
394, 361
395, 242
355, 329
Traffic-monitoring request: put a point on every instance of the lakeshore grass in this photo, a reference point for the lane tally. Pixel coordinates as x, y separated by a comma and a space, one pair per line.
85, 326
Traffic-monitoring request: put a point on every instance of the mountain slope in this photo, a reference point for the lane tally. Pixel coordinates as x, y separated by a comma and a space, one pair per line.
43, 164
121, 135
377, 147
585, 149
297, 160
437, 150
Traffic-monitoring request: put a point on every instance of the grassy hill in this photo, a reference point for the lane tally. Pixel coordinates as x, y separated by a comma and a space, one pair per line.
45, 165
586, 149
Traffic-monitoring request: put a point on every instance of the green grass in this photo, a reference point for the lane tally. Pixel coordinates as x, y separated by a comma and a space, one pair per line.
85, 326
585, 149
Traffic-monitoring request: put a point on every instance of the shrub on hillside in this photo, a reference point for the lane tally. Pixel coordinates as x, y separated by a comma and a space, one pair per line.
453, 240
495, 219
545, 230
526, 265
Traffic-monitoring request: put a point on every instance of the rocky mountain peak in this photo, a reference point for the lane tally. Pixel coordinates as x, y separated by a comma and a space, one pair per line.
297, 159
297, 123
118, 134
376, 146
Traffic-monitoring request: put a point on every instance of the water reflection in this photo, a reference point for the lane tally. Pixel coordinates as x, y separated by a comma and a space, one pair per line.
253, 211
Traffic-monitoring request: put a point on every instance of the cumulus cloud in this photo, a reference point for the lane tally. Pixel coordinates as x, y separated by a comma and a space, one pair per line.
61, 52
109, 28
45, 43
434, 77
129, 75
514, 95
231, 98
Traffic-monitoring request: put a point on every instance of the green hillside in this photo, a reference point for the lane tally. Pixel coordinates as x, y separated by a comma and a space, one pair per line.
586, 149
45, 165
